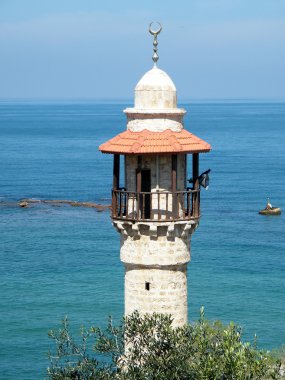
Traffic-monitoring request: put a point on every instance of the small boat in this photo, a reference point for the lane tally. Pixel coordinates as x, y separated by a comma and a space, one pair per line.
272, 211
269, 210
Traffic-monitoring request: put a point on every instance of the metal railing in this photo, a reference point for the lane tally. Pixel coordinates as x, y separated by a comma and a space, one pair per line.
162, 206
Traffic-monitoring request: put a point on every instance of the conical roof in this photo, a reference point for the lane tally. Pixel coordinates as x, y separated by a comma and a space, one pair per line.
147, 142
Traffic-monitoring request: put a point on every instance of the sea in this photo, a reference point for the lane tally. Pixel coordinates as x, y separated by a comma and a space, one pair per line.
58, 261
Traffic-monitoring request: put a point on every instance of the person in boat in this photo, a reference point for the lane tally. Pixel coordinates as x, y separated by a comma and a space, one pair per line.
269, 205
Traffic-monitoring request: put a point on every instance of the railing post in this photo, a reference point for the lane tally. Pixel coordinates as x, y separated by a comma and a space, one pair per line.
127, 194
143, 206
120, 204
151, 208
158, 206
166, 208
188, 204
133, 205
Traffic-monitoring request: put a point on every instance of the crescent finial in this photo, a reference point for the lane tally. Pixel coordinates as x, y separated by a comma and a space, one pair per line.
155, 32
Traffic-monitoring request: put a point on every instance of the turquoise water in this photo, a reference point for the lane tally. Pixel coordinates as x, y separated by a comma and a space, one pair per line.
64, 260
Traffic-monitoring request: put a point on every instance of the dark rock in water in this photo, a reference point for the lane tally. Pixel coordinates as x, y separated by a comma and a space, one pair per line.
23, 204
59, 202
74, 204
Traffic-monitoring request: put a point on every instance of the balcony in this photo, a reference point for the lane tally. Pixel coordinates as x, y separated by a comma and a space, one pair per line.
157, 206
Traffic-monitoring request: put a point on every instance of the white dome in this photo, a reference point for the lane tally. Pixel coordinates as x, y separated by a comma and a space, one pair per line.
155, 90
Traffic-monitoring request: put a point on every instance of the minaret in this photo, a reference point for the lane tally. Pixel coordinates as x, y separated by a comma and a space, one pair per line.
156, 211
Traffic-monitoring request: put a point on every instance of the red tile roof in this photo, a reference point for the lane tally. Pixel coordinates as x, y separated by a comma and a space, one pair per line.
148, 142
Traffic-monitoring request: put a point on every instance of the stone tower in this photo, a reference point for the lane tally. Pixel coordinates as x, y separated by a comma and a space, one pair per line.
156, 211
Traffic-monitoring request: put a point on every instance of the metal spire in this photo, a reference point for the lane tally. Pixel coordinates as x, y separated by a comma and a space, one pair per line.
155, 32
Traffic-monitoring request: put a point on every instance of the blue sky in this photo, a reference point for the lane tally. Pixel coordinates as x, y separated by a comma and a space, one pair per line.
212, 49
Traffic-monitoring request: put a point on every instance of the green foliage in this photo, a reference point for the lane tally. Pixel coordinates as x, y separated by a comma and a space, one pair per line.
149, 348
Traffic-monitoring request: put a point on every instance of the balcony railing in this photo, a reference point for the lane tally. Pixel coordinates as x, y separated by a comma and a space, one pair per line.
160, 206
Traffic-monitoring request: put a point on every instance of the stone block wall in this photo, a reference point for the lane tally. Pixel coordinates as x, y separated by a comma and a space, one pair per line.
156, 249
160, 290
155, 262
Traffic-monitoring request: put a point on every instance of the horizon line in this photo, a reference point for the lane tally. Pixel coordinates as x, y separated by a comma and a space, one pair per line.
131, 100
